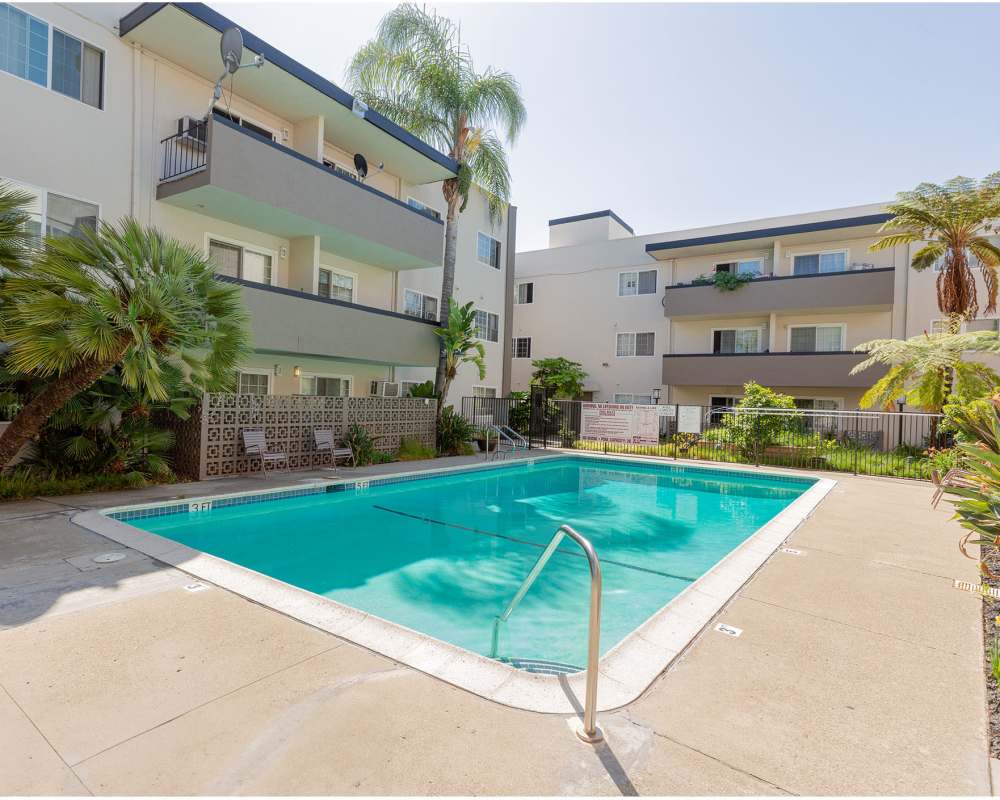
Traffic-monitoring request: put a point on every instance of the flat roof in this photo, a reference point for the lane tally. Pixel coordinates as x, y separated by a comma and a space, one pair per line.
593, 215
157, 25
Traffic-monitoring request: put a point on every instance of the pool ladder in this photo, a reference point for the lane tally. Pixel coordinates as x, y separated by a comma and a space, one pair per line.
590, 731
506, 437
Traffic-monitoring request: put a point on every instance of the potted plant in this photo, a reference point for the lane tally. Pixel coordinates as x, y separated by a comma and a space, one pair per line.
485, 440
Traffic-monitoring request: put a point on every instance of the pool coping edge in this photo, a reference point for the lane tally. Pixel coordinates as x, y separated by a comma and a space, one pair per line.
626, 670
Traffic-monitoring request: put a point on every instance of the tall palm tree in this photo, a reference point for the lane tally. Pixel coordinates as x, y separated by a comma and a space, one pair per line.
954, 220
122, 295
459, 346
929, 369
417, 73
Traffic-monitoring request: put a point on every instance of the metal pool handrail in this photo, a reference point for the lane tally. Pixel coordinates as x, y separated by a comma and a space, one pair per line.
590, 732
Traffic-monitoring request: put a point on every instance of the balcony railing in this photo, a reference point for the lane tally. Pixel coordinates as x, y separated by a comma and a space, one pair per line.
185, 152
824, 368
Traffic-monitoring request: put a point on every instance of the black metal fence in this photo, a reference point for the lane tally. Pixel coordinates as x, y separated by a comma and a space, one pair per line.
184, 152
900, 444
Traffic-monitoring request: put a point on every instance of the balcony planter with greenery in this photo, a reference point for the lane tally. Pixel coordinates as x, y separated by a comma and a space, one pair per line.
725, 281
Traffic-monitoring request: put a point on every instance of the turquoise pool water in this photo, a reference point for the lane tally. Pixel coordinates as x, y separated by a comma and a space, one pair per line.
443, 555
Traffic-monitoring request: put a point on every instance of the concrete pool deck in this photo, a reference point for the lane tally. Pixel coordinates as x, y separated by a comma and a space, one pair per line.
858, 671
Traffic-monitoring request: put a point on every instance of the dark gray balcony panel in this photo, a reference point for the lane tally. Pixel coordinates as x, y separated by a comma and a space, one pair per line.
859, 290
769, 369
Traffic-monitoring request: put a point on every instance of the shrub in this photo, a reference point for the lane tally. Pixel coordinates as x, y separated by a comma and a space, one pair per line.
425, 389
453, 434
358, 439
751, 432
414, 450
20, 484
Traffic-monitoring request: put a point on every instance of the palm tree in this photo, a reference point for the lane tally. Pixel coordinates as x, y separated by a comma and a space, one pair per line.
124, 296
928, 369
416, 72
459, 346
954, 220
15, 238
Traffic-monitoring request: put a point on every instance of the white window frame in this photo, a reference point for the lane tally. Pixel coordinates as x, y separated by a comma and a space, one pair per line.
513, 348
758, 328
616, 395
943, 321
496, 392
517, 287
348, 378
266, 251
847, 259
737, 261
41, 193
843, 336
343, 273
422, 294
735, 398
422, 206
253, 371
636, 271
275, 134
838, 400
495, 314
635, 346
498, 267
48, 66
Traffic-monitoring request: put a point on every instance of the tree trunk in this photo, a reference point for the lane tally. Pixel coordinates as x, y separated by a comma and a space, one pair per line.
447, 282
36, 413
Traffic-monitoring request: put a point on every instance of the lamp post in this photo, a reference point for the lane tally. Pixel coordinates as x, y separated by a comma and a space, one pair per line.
656, 396
900, 402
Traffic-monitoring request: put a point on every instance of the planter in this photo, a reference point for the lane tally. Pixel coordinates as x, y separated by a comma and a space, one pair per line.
482, 444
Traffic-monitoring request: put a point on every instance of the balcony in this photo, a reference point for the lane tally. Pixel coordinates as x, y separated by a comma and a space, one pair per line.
286, 321
227, 172
770, 369
857, 290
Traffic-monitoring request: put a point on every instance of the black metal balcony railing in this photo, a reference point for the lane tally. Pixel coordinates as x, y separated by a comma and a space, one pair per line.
184, 152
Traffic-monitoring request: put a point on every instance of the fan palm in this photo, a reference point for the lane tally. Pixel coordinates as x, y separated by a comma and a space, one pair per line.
15, 238
954, 220
929, 369
123, 295
417, 74
460, 346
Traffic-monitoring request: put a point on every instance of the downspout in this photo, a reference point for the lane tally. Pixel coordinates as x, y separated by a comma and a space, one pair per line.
508, 304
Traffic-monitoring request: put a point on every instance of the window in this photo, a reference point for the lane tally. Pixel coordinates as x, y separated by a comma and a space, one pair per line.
635, 283
488, 250
77, 69
634, 344
412, 202
982, 325
736, 340
634, 399
484, 391
522, 347
815, 338
417, 304
405, 386
970, 259
749, 266
816, 263
524, 294
260, 130
336, 285
817, 404
238, 261
253, 383
24, 45
325, 386
487, 326
57, 215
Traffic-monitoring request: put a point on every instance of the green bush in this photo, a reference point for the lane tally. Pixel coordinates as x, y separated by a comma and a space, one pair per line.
454, 432
19, 484
365, 453
414, 450
751, 432
425, 389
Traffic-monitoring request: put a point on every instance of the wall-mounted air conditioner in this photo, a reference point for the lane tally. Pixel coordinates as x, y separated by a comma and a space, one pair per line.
385, 389
193, 130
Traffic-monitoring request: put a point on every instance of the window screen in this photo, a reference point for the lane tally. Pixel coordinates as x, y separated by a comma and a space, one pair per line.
487, 326
522, 347
525, 293
252, 383
488, 250
24, 45
228, 258
66, 216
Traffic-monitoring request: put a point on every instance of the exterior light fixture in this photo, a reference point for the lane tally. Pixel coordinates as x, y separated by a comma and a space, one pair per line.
656, 396
297, 371
277, 370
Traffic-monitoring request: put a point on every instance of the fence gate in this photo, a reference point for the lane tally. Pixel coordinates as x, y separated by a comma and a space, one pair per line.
537, 425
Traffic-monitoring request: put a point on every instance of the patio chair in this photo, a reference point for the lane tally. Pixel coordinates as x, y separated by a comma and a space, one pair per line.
255, 444
325, 444
952, 478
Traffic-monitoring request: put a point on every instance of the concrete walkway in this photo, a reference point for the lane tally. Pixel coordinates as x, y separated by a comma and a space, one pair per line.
858, 672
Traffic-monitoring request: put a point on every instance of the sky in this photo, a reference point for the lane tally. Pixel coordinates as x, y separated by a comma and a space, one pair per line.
678, 116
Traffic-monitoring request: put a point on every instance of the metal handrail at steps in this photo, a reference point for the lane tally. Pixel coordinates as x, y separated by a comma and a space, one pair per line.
590, 732
505, 435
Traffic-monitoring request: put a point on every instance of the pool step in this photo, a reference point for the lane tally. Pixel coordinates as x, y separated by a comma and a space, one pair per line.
541, 666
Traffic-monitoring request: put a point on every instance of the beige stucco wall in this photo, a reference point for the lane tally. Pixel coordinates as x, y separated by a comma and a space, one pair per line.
700, 395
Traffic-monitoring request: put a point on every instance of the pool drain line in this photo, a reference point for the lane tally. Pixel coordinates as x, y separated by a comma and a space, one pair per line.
537, 546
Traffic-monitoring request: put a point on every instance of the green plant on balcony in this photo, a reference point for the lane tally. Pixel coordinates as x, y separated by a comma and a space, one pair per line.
725, 281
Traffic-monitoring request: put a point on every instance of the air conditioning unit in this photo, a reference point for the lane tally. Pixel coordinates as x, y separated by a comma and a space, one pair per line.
385, 389
192, 130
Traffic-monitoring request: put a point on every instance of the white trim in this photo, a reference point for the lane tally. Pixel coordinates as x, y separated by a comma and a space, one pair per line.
517, 286
513, 347
256, 248
845, 250
498, 267
42, 193
426, 206
636, 270
759, 328
843, 336
496, 391
495, 314
348, 378
737, 261
635, 333
435, 297
344, 273
254, 371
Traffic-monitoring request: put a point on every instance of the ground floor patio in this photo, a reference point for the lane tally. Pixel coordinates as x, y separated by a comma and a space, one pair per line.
858, 671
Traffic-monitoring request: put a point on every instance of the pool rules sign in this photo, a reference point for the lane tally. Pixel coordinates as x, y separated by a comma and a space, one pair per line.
618, 422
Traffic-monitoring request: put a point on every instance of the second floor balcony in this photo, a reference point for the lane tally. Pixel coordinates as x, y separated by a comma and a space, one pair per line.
855, 289
798, 369
227, 172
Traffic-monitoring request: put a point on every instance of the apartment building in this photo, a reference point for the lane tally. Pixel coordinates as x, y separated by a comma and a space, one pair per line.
341, 273
645, 318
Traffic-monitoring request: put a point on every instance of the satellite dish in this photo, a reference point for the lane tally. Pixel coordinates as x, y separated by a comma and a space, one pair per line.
361, 165
231, 48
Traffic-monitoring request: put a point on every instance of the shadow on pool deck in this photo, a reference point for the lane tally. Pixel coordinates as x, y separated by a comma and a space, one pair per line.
858, 671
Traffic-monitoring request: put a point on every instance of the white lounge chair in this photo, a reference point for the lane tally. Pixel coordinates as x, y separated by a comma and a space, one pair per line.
325, 444
954, 478
255, 444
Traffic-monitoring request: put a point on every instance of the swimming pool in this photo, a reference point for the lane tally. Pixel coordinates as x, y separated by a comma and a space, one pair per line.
442, 554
